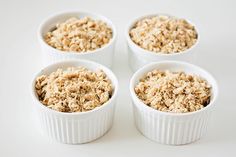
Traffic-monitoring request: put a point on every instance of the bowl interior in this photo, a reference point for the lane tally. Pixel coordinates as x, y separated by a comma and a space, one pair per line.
175, 66
50, 23
151, 53
76, 63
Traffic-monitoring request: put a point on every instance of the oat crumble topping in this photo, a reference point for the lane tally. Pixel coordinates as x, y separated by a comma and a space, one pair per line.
75, 89
79, 35
164, 34
175, 92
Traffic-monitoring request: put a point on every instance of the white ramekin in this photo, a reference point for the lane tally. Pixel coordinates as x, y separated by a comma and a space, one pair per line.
76, 128
138, 56
172, 128
103, 55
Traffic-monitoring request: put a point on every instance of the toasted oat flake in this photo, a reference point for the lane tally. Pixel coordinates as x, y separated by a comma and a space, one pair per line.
164, 34
79, 35
75, 89
175, 92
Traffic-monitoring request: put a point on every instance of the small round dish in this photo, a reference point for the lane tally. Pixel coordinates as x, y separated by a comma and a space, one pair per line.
76, 127
172, 128
138, 56
103, 55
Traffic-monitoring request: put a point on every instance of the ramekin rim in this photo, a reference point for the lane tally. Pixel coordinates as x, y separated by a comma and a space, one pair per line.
110, 76
61, 13
139, 103
152, 53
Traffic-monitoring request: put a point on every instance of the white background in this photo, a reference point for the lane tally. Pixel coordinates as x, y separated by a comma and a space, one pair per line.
20, 59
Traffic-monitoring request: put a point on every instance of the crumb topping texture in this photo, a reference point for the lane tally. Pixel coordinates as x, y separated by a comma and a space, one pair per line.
175, 92
75, 89
79, 35
164, 34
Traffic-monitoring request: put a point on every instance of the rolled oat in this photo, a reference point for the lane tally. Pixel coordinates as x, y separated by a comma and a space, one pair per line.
164, 34
79, 35
75, 89
175, 92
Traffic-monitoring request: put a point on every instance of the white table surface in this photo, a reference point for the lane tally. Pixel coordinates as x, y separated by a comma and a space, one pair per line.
20, 59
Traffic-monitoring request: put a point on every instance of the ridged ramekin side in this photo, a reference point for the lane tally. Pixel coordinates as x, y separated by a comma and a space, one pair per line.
76, 130
168, 129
